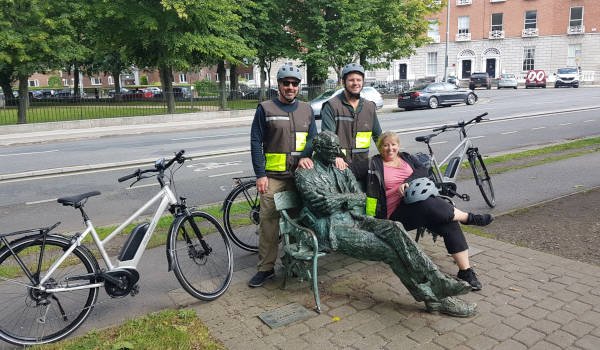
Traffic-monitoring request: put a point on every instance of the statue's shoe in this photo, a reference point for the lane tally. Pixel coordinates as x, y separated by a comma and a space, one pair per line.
453, 307
452, 286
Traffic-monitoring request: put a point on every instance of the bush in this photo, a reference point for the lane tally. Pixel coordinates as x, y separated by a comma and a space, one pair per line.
54, 82
206, 87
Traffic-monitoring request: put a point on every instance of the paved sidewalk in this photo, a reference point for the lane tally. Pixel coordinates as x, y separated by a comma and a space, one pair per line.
530, 300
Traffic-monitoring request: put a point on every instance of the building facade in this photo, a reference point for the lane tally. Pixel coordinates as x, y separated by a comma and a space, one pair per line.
507, 36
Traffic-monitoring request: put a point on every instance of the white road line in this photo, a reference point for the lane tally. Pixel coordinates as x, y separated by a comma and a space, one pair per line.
589, 121
539, 128
27, 153
438, 143
225, 174
208, 137
141, 186
508, 132
42, 201
564, 124
476, 137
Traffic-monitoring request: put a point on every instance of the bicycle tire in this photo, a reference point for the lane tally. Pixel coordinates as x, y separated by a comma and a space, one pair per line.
241, 222
482, 179
201, 255
33, 317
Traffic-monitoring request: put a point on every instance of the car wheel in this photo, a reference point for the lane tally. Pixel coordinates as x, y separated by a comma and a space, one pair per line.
575, 86
544, 86
555, 86
515, 88
488, 87
471, 99
433, 103
472, 87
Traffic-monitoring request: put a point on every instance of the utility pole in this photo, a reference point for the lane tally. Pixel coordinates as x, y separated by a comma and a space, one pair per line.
447, 39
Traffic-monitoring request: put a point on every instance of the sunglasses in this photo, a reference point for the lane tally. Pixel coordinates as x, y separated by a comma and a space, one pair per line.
288, 82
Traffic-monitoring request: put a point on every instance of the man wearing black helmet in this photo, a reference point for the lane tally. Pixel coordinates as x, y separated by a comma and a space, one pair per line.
280, 141
354, 120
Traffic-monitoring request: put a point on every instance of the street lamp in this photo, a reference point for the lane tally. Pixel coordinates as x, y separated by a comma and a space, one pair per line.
447, 39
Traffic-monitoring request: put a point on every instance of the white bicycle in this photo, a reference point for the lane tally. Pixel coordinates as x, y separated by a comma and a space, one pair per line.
49, 283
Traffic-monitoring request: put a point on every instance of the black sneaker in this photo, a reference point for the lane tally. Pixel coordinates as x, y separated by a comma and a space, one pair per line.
479, 219
259, 279
469, 276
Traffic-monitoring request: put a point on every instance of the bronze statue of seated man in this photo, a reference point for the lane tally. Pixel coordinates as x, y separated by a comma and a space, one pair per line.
334, 208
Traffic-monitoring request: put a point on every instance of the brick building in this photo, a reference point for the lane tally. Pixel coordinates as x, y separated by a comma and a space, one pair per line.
512, 36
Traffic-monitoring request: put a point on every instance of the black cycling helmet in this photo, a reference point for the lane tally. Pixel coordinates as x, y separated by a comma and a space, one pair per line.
289, 71
419, 190
352, 67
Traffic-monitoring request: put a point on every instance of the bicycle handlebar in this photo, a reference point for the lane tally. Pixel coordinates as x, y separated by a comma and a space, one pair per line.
461, 124
159, 166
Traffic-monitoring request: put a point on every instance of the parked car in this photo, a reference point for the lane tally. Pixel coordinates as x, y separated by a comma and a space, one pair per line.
153, 90
480, 79
136, 94
368, 93
567, 77
179, 92
111, 93
535, 78
253, 94
507, 80
434, 95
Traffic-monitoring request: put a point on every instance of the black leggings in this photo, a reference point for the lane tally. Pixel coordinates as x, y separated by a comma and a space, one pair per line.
436, 215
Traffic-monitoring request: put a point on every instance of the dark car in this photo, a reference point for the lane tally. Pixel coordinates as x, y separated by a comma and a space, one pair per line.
481, 79
179, 93
137, 94
434, 95
253, 94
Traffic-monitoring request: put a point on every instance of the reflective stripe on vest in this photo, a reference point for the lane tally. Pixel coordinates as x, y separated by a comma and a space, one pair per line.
371, 206
363, 139
278, 117
301, 141
275, 161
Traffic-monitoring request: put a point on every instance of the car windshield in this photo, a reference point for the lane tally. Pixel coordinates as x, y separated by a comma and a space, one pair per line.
567, 71
508, 76
326, 94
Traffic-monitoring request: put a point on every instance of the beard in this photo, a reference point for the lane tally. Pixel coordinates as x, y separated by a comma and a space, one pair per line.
352, 94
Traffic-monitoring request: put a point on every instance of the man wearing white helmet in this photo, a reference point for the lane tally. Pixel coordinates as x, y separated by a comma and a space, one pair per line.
354, 120
280, 141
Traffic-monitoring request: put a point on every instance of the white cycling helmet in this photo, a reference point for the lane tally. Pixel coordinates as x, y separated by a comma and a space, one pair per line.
419, 190
289, 71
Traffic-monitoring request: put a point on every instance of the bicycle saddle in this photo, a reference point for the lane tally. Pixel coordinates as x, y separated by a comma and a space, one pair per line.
75, 201
425, 138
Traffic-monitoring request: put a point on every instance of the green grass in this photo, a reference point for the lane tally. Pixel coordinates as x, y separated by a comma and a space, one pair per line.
168, 329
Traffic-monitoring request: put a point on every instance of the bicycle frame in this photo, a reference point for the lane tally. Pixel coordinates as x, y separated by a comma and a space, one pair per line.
166, 197
458, 152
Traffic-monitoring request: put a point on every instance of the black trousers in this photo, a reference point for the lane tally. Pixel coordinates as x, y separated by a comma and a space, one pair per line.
435, 214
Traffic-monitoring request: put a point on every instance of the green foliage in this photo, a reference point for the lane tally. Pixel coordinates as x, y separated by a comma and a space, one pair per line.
206, 87
144, 80
54, 82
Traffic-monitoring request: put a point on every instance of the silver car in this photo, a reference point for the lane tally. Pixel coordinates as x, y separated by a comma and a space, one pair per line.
368, 92
507, 80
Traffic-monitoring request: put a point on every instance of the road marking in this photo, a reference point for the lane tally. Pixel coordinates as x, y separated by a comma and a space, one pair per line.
564, 124
208, 137
27, 153
225, 174
539, 128
589, 121
476, 137
141, 186
508, 132
212, 165
42, 201
438, 143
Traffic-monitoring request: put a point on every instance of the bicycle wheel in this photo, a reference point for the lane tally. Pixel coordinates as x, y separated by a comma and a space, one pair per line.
31, 316
201, 255
241, 216
482, 179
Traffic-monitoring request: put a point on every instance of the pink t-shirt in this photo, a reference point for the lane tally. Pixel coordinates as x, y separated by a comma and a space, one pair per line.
393, 178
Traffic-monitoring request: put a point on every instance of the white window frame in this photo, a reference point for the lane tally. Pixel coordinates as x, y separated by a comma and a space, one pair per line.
33, 83
575, 22
65, 82
433, 30
497, 27
208, 77
530, 22
528, 58
462, 20
110, 80
431, 68
573, 55
95, 81
182, 78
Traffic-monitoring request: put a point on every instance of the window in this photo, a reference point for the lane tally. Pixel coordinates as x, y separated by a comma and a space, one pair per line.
182, 78
431, 63
576, 18
497, 21
528, 58
574, 55
434, 31
95, 81
531, 19
208, 77
33, 83
248, 76
111, 81
65, 82
463, 24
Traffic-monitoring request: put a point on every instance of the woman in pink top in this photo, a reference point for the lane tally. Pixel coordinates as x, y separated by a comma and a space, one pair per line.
389, 174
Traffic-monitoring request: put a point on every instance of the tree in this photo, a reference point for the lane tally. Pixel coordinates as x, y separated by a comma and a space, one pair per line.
36, 37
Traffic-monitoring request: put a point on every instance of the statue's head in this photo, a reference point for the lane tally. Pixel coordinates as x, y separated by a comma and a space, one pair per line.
326, 146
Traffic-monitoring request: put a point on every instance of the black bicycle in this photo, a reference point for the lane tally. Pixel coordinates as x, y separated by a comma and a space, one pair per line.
241, 213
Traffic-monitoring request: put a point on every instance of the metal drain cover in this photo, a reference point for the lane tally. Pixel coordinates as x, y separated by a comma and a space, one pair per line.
285, 315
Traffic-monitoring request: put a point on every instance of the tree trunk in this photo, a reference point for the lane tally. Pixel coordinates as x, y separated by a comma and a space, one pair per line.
166, 79
23, 99
222, 77
76, 81
233, 78
116, 73
5, 83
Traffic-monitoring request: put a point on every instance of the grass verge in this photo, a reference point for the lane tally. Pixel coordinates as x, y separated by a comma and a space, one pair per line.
168, 329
